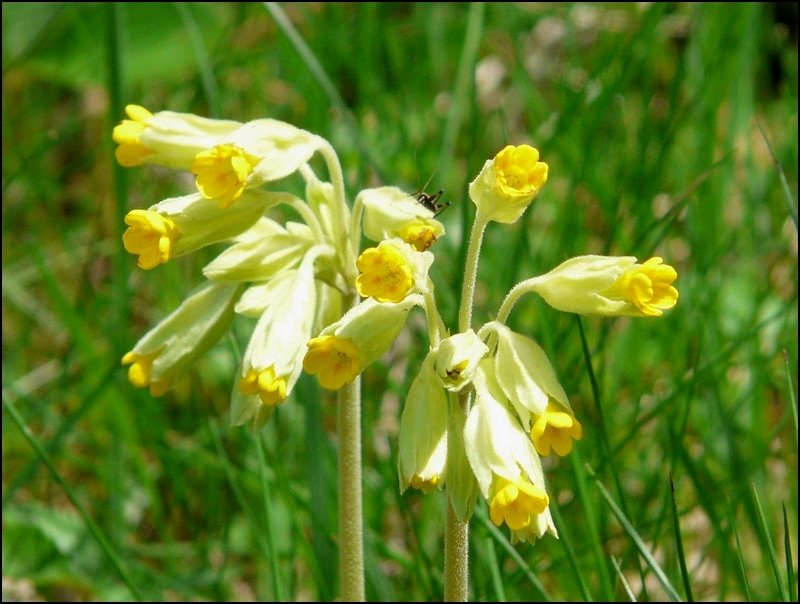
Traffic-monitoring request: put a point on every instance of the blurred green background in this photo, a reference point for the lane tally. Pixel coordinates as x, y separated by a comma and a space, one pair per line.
670, 129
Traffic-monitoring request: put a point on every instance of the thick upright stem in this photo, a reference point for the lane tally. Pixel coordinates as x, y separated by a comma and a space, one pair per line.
351, 529
456, 558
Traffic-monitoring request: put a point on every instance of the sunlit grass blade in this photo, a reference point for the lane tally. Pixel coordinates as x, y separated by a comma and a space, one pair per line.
278, 589
654, 566
97, 533
623, 580
205, 68
787, 549
65, 428
461, 90
500, 538
792, 395
569, 550
791, 202
258, 533
322, 78
739, 552
765, 534
679, 542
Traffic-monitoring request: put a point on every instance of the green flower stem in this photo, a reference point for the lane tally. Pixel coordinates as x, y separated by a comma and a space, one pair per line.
456, 535
351, 530
337, 180
520, 289
471, 272
436, 327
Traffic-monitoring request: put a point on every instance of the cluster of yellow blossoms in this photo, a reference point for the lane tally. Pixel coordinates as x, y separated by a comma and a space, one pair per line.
485, 404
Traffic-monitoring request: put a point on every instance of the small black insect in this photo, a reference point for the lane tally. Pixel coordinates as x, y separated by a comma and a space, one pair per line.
431, 202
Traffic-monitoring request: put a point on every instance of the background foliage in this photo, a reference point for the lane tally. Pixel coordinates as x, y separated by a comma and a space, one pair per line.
659, 122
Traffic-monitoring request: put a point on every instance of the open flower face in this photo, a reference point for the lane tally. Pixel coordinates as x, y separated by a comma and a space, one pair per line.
392, 270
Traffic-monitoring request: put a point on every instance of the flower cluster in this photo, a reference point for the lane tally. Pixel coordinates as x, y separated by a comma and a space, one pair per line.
486, 403
298, 280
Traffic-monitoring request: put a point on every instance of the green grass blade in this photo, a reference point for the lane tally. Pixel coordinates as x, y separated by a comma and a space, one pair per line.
787, 549
99, 536
625, 585
742, 570
672, 594
319, 74
791, 202
764, 528
679, 542
792, 395
204, 66
278, 589
500, 538
569, 550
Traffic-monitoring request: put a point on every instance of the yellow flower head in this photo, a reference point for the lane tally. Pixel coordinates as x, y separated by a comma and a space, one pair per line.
518, 171
141, 366
270, 389
127, 134
648, 286
385, 274
333, 360
508, 183
420, 235
151, 236
608, 286
222, 172
426, 485
555, 428
517, 502
391, 212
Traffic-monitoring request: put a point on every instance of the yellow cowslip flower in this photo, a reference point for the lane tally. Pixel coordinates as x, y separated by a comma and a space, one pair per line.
457, 359
346, 347
516, 502
392, 270
508, 183
181, 337
166, 138
222, 172
151, 236
608, 285
422, 439
391, 212
333, 360
272, 361
384, 274
420, 234
555, 428
140, 370
269, 388
648, 286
